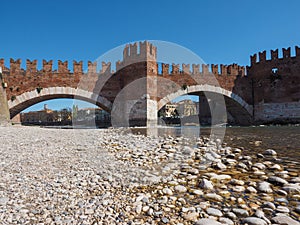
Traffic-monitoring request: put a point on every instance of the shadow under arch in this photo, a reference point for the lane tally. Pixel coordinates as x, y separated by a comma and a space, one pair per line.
28, 99
235, 105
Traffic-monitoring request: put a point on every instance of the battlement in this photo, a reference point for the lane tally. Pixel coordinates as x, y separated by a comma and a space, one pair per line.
217, 70
47, 67
137, 52
274, 56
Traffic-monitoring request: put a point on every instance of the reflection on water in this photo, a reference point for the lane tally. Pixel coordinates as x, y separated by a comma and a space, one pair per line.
284, 139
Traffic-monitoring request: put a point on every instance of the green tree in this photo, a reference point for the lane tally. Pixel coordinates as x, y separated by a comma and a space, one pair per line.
66, 115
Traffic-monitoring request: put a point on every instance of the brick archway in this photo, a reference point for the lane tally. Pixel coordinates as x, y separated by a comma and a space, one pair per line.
242, 108
28, 99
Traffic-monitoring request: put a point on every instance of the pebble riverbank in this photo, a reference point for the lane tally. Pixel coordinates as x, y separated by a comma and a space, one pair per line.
56, 176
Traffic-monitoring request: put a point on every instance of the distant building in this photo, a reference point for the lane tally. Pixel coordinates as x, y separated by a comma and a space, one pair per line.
42, 116
170, 110
89, 114
180, 109
187, 108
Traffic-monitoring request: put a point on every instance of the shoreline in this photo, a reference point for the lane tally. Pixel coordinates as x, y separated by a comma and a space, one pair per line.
109, 177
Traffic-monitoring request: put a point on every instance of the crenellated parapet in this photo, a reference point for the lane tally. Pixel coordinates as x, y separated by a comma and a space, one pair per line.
275, 79
284, 65
19, 80
92, 67
15, 66
31, 68
137, 52
63, 67
261, 57
202, 69
47, 66
77, 67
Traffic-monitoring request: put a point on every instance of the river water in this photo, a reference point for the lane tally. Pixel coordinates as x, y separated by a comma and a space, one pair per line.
285, 140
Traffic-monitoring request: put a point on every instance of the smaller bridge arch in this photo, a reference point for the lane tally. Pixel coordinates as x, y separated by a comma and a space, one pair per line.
30, 98
241, 108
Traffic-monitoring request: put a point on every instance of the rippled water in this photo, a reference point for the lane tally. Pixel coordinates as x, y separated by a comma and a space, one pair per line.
284, 139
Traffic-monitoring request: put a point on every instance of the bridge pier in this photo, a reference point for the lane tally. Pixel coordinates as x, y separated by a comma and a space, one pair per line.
4, 111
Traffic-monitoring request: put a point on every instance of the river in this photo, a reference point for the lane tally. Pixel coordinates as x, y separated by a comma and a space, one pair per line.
285, 140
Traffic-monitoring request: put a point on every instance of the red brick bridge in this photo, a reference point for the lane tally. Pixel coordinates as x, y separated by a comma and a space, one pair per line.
267, 91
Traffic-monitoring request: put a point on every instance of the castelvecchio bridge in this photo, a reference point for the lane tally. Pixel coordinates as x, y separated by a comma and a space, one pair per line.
267, 91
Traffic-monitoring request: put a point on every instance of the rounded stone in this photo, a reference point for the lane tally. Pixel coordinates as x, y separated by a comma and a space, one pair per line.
251, 189
270, 152
277, 181
283, 219
213, 196
231, 215
165, 220
167, 191
207, 222
240, 212
254, 221
220, 177
206, 184
197, 192
269, 205
236, 182
214, 212
264, 187
292, 188
226, 221
238, 189
193, 216
180, 188
282, 209
260, 166
3, 200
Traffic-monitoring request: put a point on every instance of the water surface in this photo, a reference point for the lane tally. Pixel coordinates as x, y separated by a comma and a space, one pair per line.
285, 140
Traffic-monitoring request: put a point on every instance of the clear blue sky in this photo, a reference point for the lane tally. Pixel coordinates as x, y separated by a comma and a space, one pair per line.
218, 31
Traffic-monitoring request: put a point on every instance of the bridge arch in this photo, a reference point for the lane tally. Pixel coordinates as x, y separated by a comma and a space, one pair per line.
235, 105
30, 98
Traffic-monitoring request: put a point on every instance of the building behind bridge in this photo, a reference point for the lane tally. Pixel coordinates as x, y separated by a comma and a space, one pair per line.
46, 116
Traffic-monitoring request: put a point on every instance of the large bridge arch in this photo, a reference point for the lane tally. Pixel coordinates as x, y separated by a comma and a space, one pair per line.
30, 98
235, 105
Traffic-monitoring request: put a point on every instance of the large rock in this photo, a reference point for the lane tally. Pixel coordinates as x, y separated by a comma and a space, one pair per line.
260, 166
254, 221
285, 220
193, 216
4, 200
277, 181
264, 187
219, 166
220, 177
251, 189
292, 188
207, 222
240, 212
270, 152
206, 184
180, 188
213, 196
214, 212
226, 221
